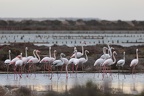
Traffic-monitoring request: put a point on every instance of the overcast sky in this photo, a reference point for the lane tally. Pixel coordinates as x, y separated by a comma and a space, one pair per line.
102, 9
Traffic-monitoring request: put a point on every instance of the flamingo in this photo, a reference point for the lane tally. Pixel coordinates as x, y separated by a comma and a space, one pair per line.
12, 62
25, 59
110, 61
51, 60
7, 62
79, 54
34, 60
46, 59
83, 60
101, 60
74, 61
19, 64
134, 62
60, 62
105, 56
121, 63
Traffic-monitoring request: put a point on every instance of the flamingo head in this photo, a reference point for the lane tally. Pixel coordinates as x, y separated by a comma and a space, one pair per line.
62, 54
9, 51
19, 56
37, 51
26, 48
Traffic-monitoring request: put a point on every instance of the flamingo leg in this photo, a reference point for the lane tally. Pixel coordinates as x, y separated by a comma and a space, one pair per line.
123, 73
66, 71
7, 70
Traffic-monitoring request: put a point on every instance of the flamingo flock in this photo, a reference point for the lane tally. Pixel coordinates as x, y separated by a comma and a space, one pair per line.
28, 64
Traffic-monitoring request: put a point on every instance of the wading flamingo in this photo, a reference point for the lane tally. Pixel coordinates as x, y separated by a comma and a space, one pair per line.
79, 54
134, 63
109, 62
59, 62
46, 60
19, 64
98, 63
34, 60
7, 62
74, 61
83, 60
120, 63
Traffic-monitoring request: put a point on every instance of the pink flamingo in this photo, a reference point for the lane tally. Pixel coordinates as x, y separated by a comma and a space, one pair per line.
121, 63
7, 62
19, 64
134, 62
98, 63
109, 62
46, 60
74, 61
34, 60
13, 61
83, 60
59, 62
51, 60
79, 54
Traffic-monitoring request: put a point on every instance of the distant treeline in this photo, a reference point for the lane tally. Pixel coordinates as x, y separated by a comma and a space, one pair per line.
79, 24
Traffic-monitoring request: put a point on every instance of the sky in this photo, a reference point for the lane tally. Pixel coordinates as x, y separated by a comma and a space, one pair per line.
102, 9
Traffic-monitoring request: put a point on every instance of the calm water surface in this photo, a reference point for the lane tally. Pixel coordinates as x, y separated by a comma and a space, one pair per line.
59, 82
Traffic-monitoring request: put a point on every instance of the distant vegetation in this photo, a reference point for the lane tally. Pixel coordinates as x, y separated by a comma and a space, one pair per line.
79, 24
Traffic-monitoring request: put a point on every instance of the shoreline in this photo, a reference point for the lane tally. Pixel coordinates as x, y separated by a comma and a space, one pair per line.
44, 72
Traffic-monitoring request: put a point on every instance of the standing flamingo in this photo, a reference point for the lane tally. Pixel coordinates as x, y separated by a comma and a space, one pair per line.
13, 62
109, 62
34, 60
7, 62
19, 64
74, 61
60, 62
134, 62
25, 59
83, 60
121, 63
79, 54
98, 63
46, 60
51, 60
105, 55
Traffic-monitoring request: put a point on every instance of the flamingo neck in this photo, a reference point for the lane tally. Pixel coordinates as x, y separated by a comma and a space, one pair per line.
38, 57
26, 52
82, 50
137, 54
9, 55
50, 52
55, 54
114, 57
34, 53
124, 55
86, 55
61, 58
75, 53
104, 50
109, 50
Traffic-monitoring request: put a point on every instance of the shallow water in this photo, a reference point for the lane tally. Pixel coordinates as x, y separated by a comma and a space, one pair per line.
131, 84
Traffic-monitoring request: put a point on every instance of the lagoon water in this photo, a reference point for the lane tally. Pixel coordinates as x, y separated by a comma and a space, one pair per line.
131, 84
72, 38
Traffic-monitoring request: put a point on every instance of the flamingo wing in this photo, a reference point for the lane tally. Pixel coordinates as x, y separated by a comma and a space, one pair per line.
121, 62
